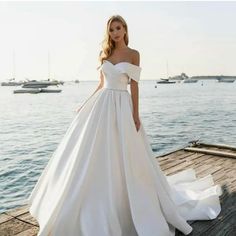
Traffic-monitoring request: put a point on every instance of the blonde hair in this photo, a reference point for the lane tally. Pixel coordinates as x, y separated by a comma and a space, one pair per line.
108, 45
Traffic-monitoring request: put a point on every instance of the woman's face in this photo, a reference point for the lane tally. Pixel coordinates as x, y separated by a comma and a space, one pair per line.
116, 31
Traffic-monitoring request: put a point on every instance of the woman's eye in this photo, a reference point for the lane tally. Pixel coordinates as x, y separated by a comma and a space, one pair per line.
117, 28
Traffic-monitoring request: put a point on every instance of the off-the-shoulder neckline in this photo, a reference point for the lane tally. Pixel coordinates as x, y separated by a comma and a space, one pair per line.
125, 62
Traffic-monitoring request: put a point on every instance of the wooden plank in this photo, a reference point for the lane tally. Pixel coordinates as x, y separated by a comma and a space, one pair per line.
219, 175
208, 160
211, 171
13, 227
172, 164
173, 153
18, 211
223, 180
28, 219
210, 152
199, 169
224, 146
175, 169
29, 232
198, 159
171, 159
196, 156
4, 217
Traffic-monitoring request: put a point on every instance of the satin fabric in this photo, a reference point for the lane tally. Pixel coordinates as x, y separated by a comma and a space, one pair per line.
104, 180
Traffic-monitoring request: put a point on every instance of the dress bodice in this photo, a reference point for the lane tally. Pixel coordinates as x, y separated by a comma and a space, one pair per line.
119, 75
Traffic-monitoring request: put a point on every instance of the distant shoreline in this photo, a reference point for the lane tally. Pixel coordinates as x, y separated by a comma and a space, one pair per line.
177, 77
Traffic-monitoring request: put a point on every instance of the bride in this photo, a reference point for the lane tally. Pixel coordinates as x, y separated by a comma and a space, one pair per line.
103, 179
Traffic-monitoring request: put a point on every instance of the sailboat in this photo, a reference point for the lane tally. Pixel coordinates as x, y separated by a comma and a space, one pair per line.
35, 86
12, 81
166, 81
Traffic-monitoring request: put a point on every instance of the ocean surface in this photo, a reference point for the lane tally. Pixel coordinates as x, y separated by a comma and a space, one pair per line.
32, 125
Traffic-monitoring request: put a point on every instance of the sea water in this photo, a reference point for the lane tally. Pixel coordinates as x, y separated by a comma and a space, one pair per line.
32, 125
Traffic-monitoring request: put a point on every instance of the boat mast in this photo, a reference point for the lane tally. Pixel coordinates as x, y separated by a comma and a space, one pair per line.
14, 65
49, 69
167, 69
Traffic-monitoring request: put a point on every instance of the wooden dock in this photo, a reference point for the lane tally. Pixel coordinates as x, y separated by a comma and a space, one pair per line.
218, 160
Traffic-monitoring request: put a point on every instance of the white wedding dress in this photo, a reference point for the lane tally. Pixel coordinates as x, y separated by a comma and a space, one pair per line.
104, 180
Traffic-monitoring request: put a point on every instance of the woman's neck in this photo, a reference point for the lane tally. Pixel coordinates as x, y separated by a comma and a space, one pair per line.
120, 45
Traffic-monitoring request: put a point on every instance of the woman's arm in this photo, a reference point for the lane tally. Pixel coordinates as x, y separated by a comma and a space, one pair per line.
135, 92
100, 85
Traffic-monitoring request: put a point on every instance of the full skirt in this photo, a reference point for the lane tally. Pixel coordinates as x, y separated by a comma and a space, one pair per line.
103, 179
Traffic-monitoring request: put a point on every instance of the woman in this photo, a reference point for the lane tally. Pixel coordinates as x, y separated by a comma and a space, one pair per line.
103, 178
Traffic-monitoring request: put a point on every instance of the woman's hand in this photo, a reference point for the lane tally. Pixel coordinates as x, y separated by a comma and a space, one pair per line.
136, 121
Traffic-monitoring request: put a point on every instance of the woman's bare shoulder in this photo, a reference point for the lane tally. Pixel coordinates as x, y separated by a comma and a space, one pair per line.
135, 56
133, 51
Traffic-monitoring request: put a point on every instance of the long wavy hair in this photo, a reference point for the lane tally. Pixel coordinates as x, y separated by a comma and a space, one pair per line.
108, 45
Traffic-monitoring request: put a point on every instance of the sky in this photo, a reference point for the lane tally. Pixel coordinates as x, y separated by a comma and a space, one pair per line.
197, 38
